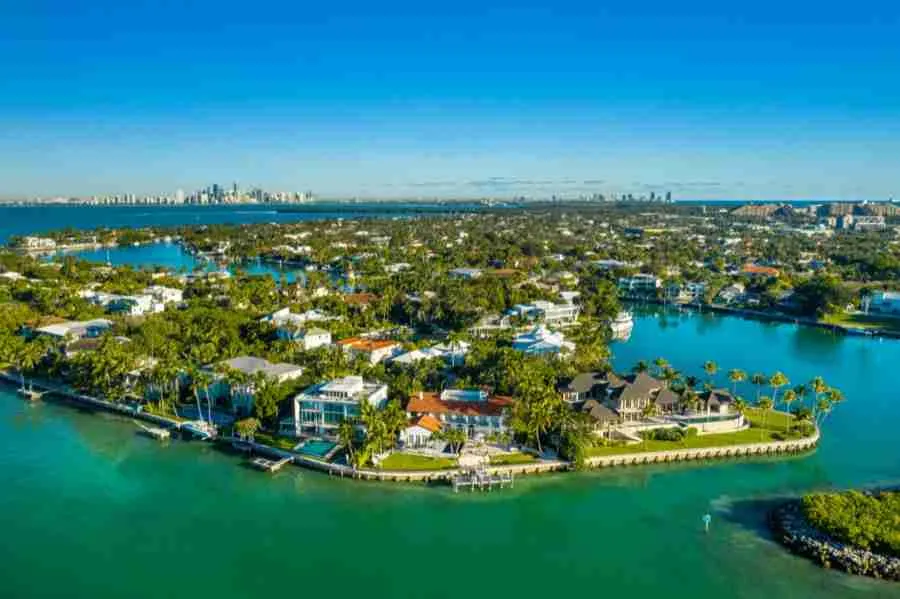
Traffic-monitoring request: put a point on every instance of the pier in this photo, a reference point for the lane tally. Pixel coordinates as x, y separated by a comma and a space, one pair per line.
481, 480
160, 434
270, 465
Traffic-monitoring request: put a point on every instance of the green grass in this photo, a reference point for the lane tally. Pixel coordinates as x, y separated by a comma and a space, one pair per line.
864, 321
753, 435
286, 443
774, 420
406, 461
512, 458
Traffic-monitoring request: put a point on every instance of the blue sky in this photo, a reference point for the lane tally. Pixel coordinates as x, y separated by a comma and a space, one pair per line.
787, 99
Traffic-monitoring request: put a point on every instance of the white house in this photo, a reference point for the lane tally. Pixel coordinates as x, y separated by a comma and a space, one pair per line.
548, 312
465, 273
639, 283
165, 295
76, 329
133, 305
321, 408
453, 353
420, 431
373, 350
295, 327
542, 342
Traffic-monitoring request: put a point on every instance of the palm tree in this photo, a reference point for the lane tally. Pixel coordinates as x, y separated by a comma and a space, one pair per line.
736, 375
640, 367
346, 433
758, 379
661, 366
777, 381
802, 391
765, 404
789, 397
669, 375
819, 388
246, 428
710, 368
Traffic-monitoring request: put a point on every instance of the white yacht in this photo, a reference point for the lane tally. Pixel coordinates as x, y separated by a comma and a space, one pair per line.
621, 326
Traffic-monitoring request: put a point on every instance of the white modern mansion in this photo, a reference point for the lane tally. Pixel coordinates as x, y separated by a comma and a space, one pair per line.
321, 408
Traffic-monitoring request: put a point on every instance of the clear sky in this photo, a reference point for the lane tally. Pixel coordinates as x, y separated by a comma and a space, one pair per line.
768, 99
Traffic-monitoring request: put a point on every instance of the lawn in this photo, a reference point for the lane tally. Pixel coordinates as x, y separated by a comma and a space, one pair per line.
512, 458
408, 461
864, 321
753, 435
286, 443
774, 420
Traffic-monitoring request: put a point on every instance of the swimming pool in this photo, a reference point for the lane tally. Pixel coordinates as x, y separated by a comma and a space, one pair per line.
317, 447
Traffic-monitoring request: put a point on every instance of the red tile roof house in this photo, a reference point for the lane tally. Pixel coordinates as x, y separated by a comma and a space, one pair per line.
374, 350
756, 270
472, 411
418, 433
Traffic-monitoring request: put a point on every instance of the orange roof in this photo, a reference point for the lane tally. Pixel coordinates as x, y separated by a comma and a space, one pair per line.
755, 269
429, 423
360, 299
431, 403
367, 345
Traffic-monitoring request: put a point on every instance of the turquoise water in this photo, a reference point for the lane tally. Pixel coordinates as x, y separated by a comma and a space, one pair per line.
318, 448
90, 509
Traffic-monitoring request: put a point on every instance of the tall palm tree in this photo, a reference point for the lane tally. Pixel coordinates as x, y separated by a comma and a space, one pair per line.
819, 388
346, 433
736, 375
802, 391
789, 397
776, 382
640, 367
710, 368
758, 379
765, 404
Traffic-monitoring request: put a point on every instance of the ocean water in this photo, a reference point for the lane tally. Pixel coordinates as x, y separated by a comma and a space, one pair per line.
90, 509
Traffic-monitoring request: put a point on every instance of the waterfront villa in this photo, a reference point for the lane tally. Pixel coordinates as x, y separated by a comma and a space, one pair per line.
547, 312
242, 395
639, 284
453, 353
472, 411
603, 419
587, 385
132, 305
373, 350
542, 342
322, 407
632, 395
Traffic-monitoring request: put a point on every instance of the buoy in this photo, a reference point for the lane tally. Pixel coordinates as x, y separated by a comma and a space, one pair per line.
707, 519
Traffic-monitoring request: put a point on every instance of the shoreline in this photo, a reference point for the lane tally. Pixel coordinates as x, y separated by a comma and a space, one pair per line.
769, 317
794, 532
446, 476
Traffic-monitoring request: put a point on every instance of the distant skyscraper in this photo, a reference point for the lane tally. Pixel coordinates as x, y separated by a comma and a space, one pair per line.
179, 196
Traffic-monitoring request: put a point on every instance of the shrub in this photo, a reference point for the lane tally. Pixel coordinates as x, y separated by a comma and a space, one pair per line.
866, 520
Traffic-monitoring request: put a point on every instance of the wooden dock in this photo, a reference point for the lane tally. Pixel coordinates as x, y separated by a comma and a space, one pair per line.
160, 434
30, 394
270, 465
481, 480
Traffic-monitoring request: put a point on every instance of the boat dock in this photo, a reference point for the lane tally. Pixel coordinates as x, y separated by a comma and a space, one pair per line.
30, 394
160, 434
270, 465
481, 480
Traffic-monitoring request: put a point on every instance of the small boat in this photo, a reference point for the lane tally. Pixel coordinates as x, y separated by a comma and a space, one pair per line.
622, 325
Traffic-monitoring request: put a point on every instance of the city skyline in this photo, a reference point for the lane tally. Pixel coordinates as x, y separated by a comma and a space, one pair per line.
400, 100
